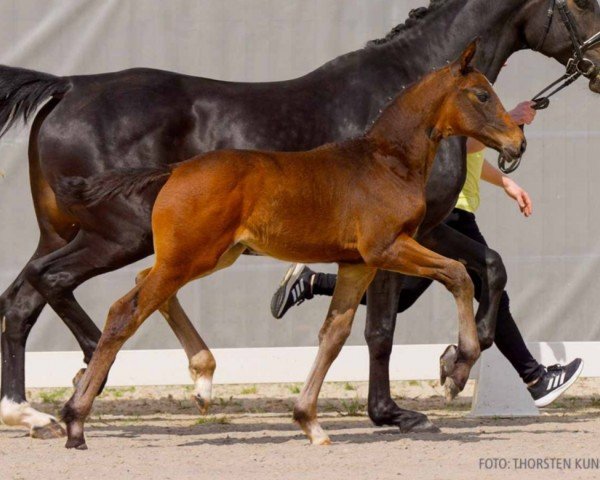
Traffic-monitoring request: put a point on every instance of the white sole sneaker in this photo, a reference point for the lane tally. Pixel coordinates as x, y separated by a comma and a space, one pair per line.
554, 394
279, 299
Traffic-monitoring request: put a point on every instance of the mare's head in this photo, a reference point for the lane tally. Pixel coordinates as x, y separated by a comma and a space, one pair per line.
471, 108
544, 25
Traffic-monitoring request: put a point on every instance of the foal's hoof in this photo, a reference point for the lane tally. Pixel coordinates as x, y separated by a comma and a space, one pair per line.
75, 440
202, 404
451, 389
76, 443
448, 362
75, 434
47, 432
321, 441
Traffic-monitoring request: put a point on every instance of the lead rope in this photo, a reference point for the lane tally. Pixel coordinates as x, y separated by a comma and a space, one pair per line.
541, 102
576, 67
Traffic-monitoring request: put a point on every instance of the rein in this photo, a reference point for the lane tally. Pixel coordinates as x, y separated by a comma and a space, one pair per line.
577, 66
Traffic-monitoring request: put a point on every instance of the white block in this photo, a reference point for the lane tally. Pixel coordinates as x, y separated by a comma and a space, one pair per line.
280, 364
499, 391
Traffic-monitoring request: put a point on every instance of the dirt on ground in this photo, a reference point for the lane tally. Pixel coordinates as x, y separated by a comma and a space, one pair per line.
156, 433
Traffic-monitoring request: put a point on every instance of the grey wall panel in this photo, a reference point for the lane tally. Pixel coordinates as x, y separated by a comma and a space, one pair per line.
552, 258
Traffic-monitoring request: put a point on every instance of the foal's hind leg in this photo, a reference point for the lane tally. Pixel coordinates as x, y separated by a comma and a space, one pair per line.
406, 256
351, 284
202, 363
124, 318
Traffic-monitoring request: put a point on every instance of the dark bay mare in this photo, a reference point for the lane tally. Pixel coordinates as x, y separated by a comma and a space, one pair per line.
145, 117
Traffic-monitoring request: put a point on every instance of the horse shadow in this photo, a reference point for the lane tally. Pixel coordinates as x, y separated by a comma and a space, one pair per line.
267, 420
245, 421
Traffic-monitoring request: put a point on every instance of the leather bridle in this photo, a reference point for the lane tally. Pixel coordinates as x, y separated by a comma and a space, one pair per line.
577, 66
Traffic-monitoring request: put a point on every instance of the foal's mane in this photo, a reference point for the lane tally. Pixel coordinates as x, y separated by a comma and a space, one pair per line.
413, 19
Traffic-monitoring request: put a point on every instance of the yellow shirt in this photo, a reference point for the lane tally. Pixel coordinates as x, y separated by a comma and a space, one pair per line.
468, 199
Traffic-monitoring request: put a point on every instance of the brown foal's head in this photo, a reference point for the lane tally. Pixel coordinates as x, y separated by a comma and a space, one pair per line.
473, 109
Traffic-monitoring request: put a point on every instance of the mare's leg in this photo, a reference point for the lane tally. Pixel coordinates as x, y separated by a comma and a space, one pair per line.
382, 309
57, 275
406, 256
381, 318
351, 285
21, 303
20, 307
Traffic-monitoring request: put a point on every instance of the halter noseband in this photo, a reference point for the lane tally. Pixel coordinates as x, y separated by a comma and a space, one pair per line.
577, 66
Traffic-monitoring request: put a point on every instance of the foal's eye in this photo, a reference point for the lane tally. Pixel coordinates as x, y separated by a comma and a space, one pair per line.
582, 3
483, 97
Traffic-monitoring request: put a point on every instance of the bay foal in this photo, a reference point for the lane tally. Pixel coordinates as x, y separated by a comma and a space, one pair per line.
358, 203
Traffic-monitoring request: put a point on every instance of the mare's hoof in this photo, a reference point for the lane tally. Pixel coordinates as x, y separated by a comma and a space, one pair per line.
202, 404
423, 425
47, 432
78, 376
447, 362
407, 421
451, 389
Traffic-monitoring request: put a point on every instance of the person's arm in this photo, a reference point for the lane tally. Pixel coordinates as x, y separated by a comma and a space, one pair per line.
522, 114
494, 176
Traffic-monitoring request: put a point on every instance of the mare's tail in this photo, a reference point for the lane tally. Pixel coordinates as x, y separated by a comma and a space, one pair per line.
93, 190
23, 91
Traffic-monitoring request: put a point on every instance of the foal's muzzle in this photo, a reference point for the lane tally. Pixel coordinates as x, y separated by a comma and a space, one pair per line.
510, 157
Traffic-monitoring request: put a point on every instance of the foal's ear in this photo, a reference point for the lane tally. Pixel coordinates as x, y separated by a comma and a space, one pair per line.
463, 64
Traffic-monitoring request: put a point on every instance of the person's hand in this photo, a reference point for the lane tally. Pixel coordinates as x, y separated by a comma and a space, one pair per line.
514, 191
523, 113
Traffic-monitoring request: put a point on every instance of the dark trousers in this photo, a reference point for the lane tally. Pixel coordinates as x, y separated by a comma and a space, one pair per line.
508, 339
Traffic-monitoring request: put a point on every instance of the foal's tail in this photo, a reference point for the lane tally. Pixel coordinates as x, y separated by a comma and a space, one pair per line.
23, 91
73, 191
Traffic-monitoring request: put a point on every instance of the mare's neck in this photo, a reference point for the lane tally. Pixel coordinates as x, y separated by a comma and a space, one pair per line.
427, 45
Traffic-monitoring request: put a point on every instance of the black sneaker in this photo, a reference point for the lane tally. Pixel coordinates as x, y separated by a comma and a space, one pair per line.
555, 382
293, 290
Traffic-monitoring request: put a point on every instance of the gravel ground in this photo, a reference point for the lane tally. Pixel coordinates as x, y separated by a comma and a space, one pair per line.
156, 433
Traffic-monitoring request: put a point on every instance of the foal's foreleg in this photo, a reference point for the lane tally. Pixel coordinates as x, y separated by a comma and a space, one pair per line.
481, 261
406, 256
351, 284
202, 363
